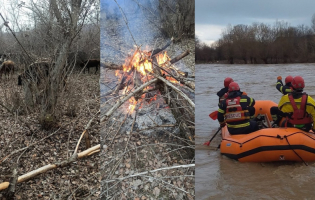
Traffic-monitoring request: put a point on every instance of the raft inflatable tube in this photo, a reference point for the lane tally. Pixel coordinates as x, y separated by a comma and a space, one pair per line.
269, 144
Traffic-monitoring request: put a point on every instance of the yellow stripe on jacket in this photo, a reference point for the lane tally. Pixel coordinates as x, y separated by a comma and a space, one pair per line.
286, 107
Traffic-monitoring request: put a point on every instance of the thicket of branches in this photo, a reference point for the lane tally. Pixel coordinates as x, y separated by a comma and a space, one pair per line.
58, 32
261, 43
53, 104
174, 18
182, 15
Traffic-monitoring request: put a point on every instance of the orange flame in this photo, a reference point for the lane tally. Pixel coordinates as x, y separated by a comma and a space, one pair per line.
132, 104
141, 62
162, 58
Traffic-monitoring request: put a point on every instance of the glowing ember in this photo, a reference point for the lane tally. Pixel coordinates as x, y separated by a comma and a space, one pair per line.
153, 99
171, 79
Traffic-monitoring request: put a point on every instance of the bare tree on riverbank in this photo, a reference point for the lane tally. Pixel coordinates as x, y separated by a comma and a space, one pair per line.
261, 43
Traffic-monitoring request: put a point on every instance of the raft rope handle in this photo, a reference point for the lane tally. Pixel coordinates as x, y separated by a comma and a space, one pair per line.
278, 136
241, 144
286, 138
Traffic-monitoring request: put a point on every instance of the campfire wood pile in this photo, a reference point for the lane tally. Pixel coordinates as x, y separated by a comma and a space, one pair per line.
147, 74
147, 121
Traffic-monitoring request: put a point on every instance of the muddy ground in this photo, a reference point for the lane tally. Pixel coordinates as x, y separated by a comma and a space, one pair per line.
80, 180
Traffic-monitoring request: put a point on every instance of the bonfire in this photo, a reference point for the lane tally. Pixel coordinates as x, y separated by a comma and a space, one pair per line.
148, 123
145, 75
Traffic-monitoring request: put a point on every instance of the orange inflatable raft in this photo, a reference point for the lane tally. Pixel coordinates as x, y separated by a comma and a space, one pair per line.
269, 144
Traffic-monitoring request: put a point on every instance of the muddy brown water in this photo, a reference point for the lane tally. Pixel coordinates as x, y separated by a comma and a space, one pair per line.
218, 177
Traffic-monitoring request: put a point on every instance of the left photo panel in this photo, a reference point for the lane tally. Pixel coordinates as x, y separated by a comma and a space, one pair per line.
49, 99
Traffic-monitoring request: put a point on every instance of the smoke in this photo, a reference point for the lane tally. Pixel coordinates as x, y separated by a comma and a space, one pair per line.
128, 23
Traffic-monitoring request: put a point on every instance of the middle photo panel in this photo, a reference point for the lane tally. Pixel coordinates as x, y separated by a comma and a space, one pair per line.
147, 99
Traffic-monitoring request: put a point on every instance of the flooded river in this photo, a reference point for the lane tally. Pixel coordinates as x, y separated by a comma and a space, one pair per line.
218, 177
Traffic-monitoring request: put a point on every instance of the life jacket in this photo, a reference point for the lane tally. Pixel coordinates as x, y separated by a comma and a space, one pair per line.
299, 116
234, 111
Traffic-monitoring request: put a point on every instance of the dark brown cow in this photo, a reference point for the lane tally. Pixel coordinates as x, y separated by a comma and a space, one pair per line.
38, 72
35, 72
91, 63
7, 68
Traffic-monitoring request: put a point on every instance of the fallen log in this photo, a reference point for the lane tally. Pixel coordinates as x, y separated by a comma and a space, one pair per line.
48, 167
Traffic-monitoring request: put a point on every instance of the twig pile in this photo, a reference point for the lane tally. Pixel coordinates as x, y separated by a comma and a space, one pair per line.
138, 164
182, 106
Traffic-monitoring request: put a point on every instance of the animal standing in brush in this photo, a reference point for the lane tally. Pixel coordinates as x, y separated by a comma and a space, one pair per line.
38, 72
89, 64
35, 72
7, 68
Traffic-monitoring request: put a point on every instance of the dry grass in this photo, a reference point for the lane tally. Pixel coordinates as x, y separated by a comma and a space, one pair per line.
78, 181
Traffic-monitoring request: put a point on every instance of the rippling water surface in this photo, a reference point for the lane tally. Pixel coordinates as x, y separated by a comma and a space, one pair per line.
218, 177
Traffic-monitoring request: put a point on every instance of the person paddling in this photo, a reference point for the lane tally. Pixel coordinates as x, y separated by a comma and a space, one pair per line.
236, 110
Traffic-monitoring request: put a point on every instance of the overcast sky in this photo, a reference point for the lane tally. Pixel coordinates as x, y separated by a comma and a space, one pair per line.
212, 16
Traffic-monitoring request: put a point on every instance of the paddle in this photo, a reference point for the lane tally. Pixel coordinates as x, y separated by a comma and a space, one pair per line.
214, 115
208, 143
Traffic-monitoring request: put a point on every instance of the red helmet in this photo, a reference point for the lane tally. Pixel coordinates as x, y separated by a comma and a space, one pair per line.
288, 79
227, 81
233, 87
298, 83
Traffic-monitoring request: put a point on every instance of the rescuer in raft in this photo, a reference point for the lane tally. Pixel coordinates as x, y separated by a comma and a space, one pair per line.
296, 109
236, 111
224, 90
287, 88
284, 89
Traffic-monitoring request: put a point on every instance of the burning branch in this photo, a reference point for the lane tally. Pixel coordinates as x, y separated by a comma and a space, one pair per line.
123, 100
140, 68
181, 56
156, 51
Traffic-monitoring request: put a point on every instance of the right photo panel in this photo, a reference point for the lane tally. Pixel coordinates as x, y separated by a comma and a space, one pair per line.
254, 99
